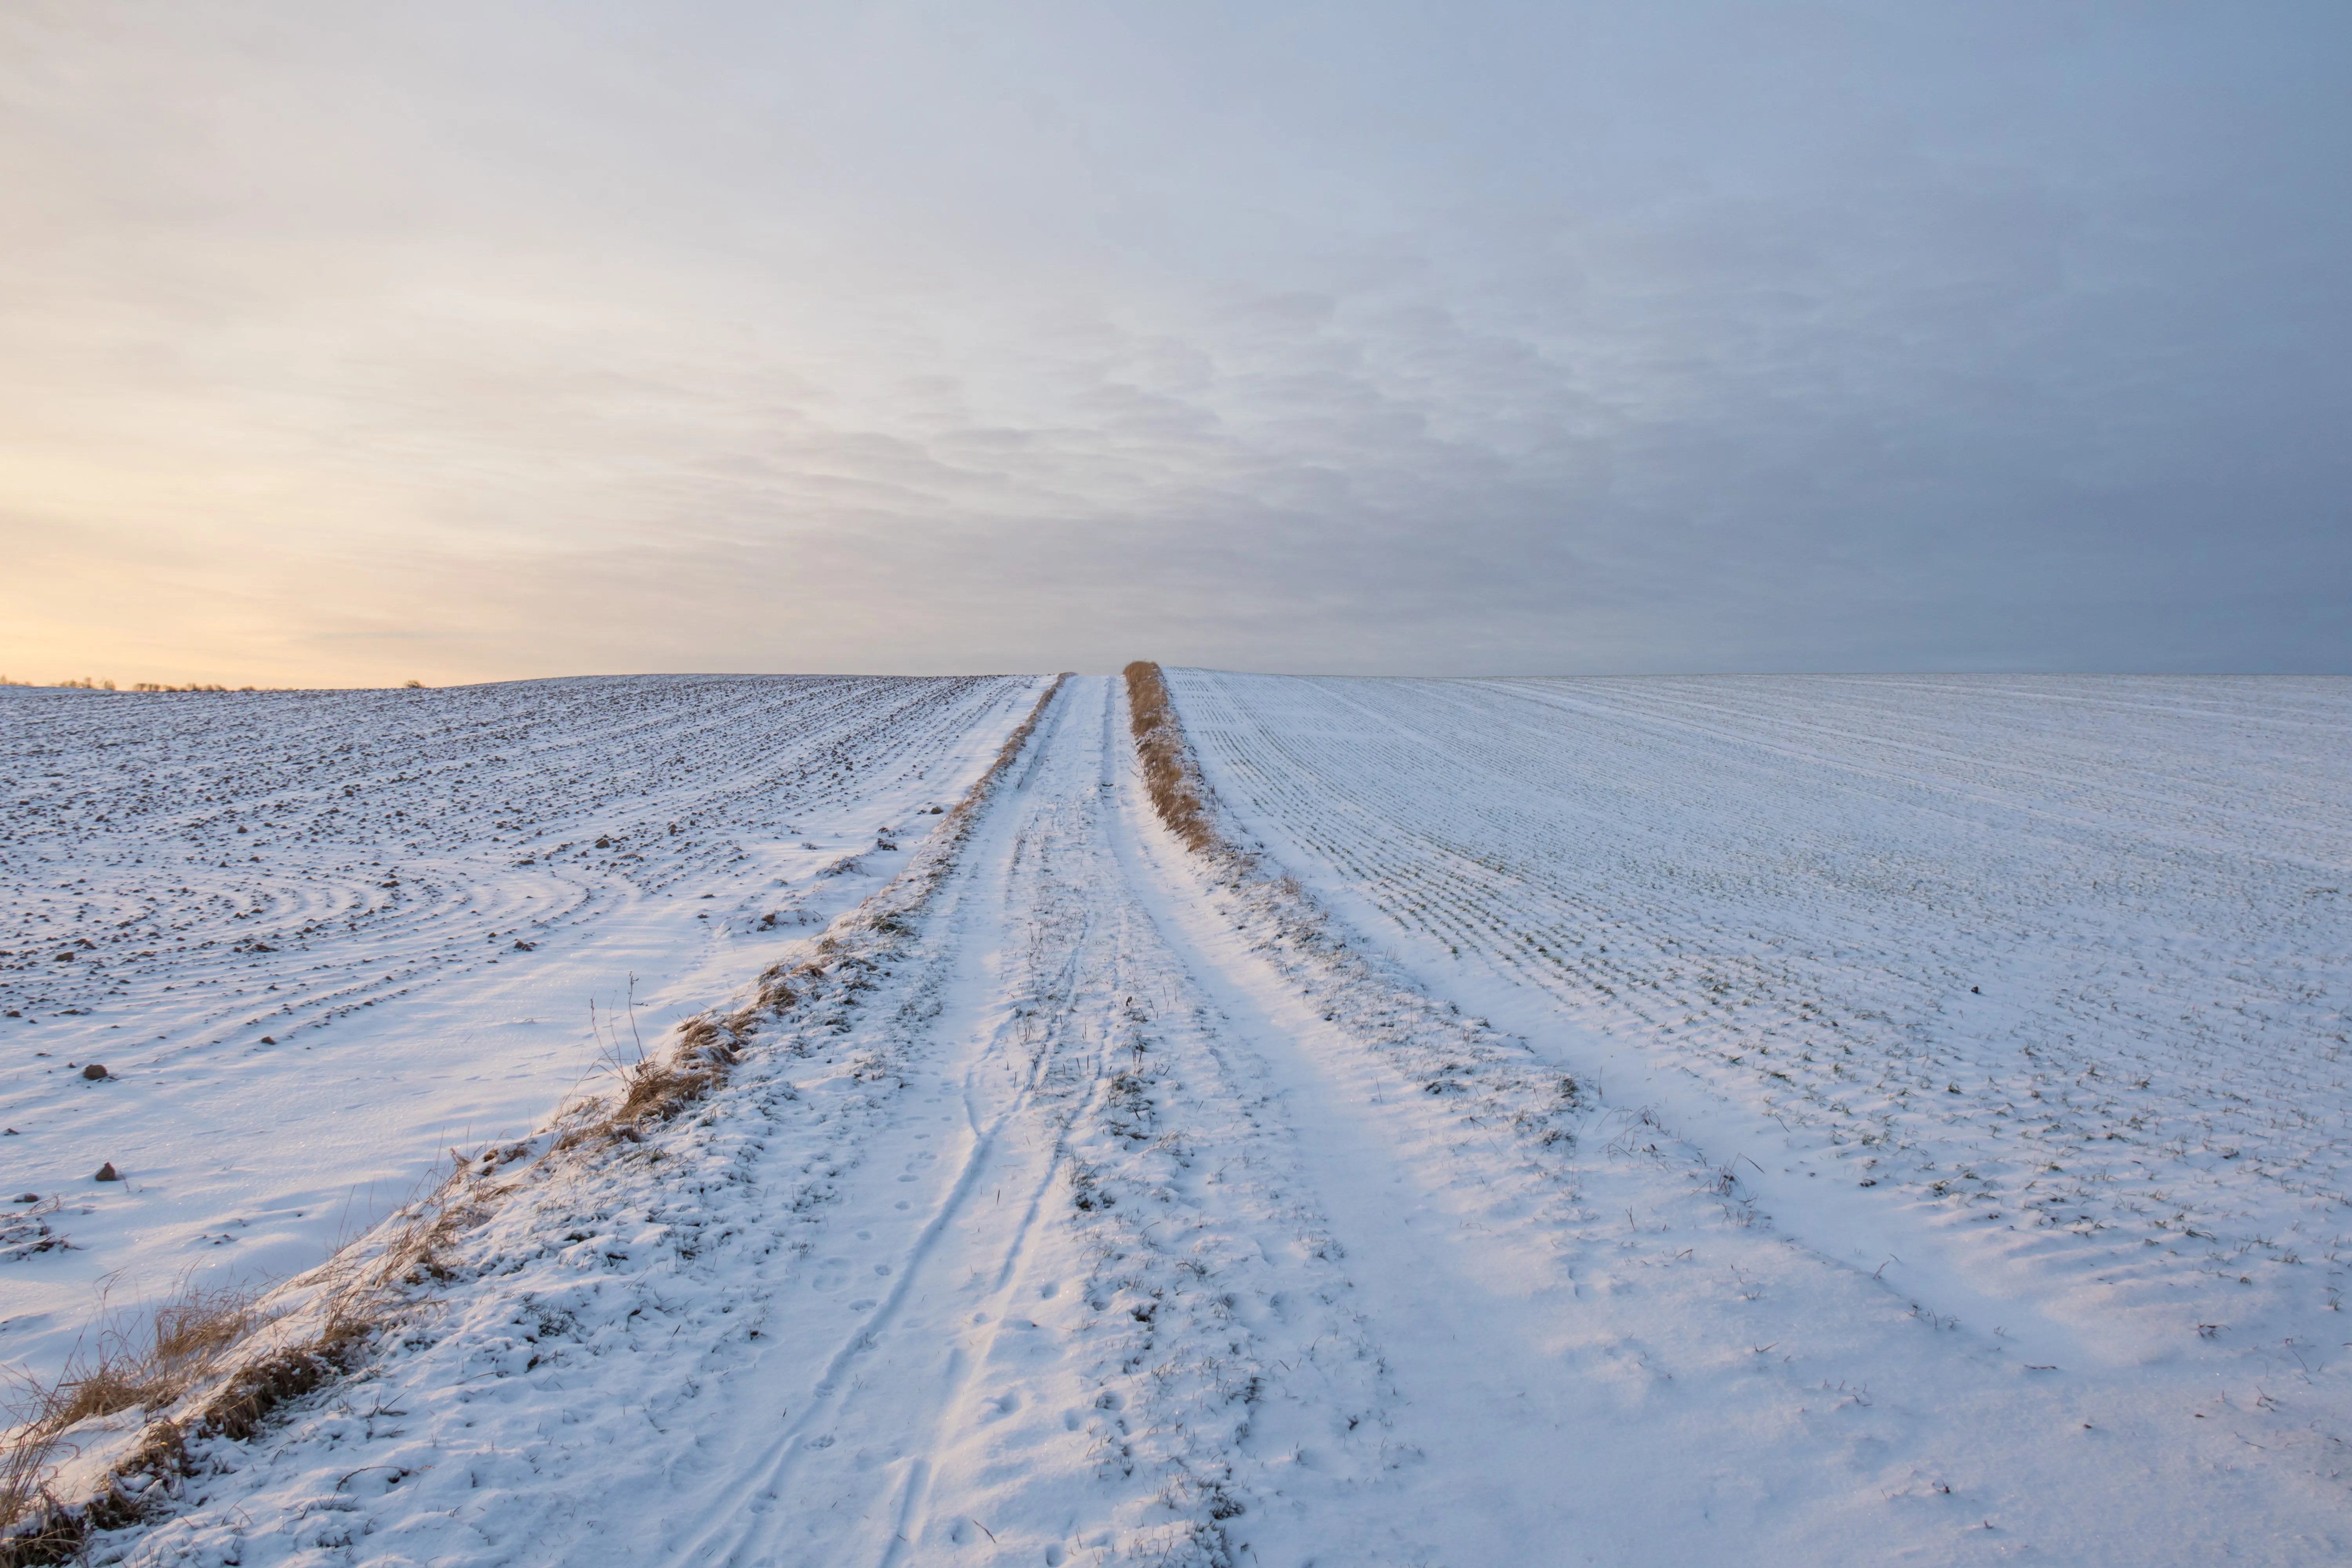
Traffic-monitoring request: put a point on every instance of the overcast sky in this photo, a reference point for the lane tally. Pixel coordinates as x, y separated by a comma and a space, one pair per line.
341, 343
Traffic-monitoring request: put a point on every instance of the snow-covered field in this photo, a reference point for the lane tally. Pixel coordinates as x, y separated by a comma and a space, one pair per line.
318, 938
1658, 1122
2027, 996
2059, 967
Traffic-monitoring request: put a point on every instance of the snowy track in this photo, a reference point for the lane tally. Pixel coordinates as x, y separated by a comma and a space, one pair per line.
1096, 1206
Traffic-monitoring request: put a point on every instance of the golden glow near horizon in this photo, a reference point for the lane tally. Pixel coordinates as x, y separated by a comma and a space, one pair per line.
350, 344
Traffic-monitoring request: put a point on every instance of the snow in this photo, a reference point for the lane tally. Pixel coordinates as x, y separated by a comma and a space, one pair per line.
2026, 997
1091, 1202
2059, 967
322, 937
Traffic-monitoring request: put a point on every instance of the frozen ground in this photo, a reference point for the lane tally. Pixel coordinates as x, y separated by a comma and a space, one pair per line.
317, 938
1091, 1203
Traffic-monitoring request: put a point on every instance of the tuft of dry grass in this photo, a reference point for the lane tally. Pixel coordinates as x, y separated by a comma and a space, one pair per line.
1169, 774
658, 1087
652, 1088
150, 1366
212, 1365
185, 1339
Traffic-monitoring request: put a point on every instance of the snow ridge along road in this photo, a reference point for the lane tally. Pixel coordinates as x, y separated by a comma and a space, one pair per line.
1096, 1202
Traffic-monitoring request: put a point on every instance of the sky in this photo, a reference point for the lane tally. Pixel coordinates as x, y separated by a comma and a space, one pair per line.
344, 344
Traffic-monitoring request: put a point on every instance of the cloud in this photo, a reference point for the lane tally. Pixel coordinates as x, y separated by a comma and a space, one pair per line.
524, 339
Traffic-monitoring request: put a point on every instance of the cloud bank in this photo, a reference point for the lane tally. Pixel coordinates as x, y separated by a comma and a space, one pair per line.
351, 343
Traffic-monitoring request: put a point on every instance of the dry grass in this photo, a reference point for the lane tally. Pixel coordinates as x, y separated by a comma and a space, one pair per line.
185, 1339
24, 1470
213, 1364
1169, 775
149, 1363
652, 1088
658, 1087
